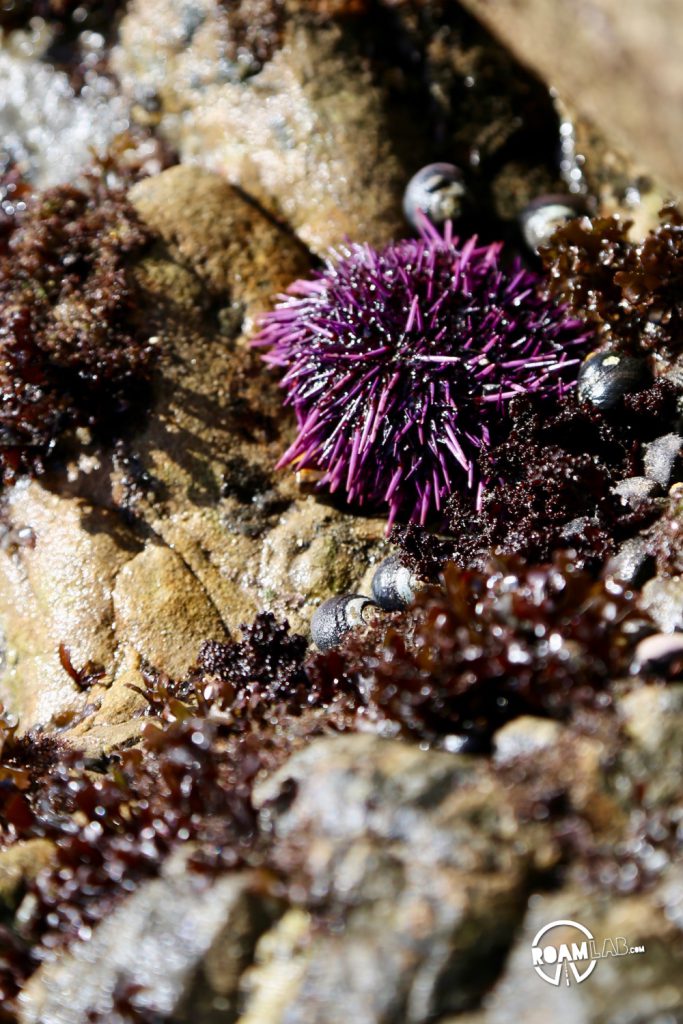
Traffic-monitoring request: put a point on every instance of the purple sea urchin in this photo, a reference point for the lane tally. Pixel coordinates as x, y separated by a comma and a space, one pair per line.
400, 363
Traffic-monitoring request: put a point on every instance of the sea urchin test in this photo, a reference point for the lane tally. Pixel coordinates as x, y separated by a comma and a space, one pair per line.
400, 365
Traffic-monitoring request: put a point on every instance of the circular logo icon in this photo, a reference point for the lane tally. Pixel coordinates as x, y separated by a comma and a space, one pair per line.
563, 949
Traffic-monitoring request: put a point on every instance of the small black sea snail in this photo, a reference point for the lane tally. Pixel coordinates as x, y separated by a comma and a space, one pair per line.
336, 616
659, 654
606, 377
543, 216
393, 585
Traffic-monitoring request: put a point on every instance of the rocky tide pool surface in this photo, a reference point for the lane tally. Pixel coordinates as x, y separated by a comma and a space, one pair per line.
341, 506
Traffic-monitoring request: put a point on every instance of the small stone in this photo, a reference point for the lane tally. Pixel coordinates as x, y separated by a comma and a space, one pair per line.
525, 735
632, 563
663, 459
662, 599
635, 490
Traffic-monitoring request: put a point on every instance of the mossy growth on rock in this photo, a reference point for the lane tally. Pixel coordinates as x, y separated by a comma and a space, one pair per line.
73, 354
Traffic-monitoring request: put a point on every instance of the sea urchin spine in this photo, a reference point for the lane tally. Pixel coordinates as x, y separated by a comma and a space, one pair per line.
400, 364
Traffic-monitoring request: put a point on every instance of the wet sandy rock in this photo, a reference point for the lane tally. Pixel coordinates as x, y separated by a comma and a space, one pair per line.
55, 591
420, 860
296, 116
312, 549
19, 865
325, 114
616, 60
163, 611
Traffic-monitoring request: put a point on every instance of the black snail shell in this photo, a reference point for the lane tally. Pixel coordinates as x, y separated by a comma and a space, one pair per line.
606, 377
336, 616
393, 585
437, 191
543, 216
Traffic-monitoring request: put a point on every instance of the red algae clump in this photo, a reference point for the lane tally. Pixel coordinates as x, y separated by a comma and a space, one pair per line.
482, 647
631, 291
71, 352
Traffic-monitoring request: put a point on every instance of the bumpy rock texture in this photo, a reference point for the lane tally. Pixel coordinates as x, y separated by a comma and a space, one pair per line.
266, 125
342, 104
407, 892
179, 945
137, 555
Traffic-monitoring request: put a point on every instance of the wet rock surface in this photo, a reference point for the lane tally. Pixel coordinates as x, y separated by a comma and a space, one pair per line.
320, 101
418, 856
138, 555
176, 948
348, 102
626, 988
411, 885
614, 60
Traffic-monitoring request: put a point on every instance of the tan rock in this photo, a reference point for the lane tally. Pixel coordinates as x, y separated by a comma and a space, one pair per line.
280, 963
22, 863
310, 135
57, 591
240, 256
526, 735
617, 61
315, 551
163, 612
139, 555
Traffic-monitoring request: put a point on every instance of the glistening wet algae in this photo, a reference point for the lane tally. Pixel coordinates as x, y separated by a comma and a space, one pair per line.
631, 291
73, 351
